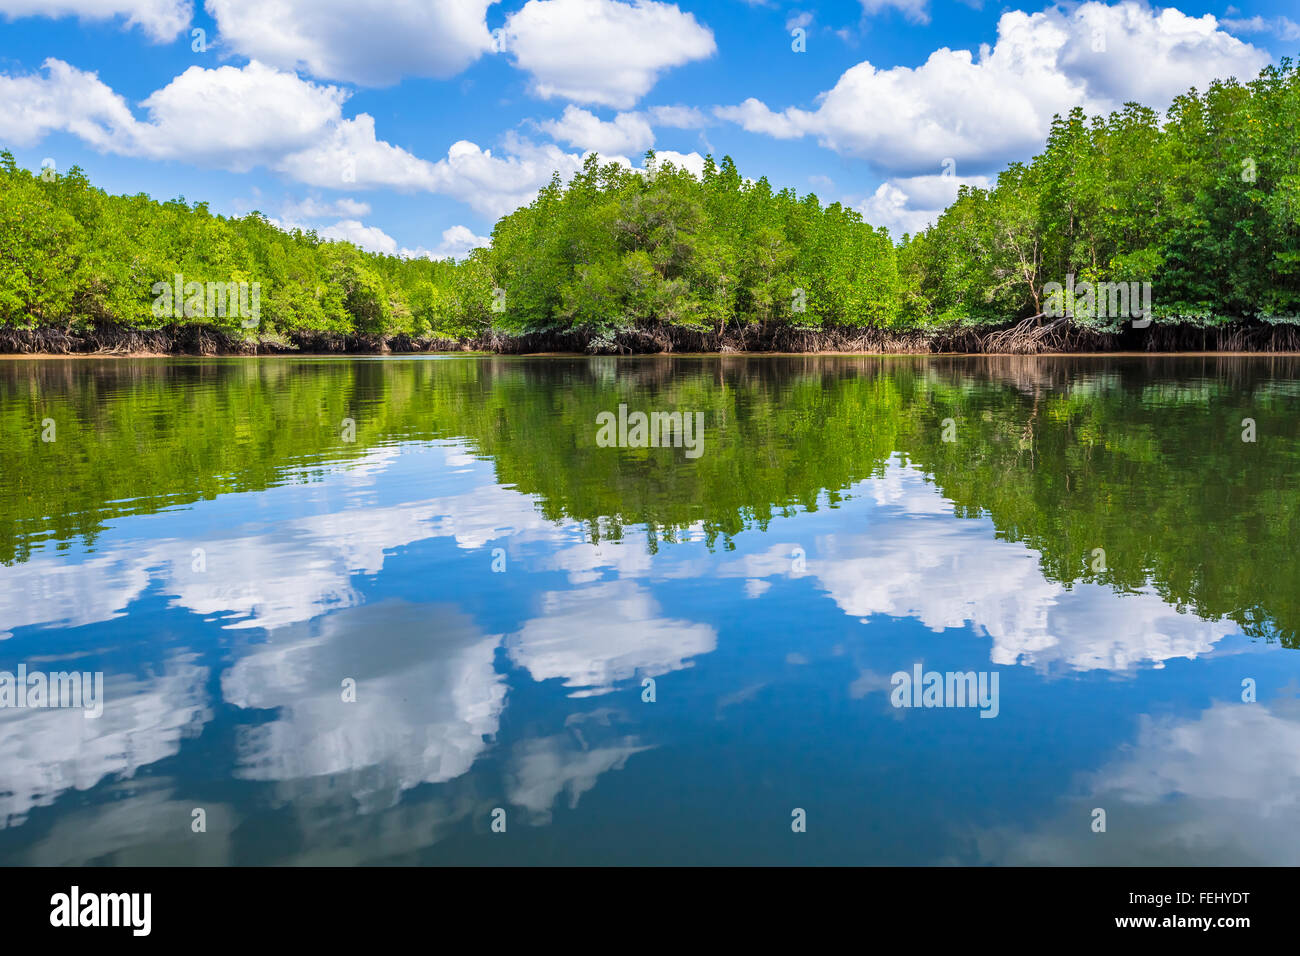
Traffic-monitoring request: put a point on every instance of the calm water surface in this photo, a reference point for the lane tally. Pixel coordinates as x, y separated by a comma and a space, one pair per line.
216, 539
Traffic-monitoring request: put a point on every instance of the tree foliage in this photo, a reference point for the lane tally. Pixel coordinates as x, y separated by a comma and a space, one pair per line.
1204, 206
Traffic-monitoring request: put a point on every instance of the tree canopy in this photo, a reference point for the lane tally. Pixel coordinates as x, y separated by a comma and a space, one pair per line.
1203, 206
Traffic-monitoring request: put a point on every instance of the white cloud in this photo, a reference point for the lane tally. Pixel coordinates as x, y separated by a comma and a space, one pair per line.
602, 51
237, 118
918, 11
161, 20
259, 579
234, 118
625, 133
494, 185
678, 117
988, 109
690, 161
1283, 27
798, 21
373, 44
353, 156
64, 99
313, 208
908, 205
457, 243
370, 238
225, 117
757, 117
348, 153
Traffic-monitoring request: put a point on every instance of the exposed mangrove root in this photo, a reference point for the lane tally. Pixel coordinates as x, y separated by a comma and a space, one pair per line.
117, 340
1034, 335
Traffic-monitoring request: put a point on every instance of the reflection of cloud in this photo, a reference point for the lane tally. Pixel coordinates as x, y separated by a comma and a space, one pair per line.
869, 682
586, 562
486, 513
918, 561
46, 752
596, 636
298, 570
255, 577
137, 825
427, 695
50, 590
541, 769
1223, 788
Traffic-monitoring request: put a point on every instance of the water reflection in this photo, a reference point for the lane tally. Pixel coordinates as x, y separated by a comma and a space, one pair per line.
499, 589
427, 699
1216, 789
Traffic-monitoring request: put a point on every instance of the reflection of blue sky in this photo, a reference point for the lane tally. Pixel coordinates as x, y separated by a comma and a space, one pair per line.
381, 571
1220, 787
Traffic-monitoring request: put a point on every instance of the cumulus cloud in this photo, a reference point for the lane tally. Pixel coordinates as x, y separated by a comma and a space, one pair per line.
987, 109
602, 51
238, 118
232, 118
757, 117
64, 99
909, 204
349, 153
353, 155
312, 208
496, 185
375, 44
370, 238
260, 578
457, 243
625, 133
235, 118
160, 20
689, 161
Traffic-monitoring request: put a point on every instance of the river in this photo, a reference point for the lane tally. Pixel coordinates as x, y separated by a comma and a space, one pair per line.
894, 610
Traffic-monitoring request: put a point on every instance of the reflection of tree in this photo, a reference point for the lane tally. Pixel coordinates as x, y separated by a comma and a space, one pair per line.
1139, 457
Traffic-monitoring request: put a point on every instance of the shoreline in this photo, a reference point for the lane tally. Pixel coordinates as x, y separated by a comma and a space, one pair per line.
464, 353
1024, 338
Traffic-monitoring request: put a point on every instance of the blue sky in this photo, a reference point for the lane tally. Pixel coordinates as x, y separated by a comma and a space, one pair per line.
409, 126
